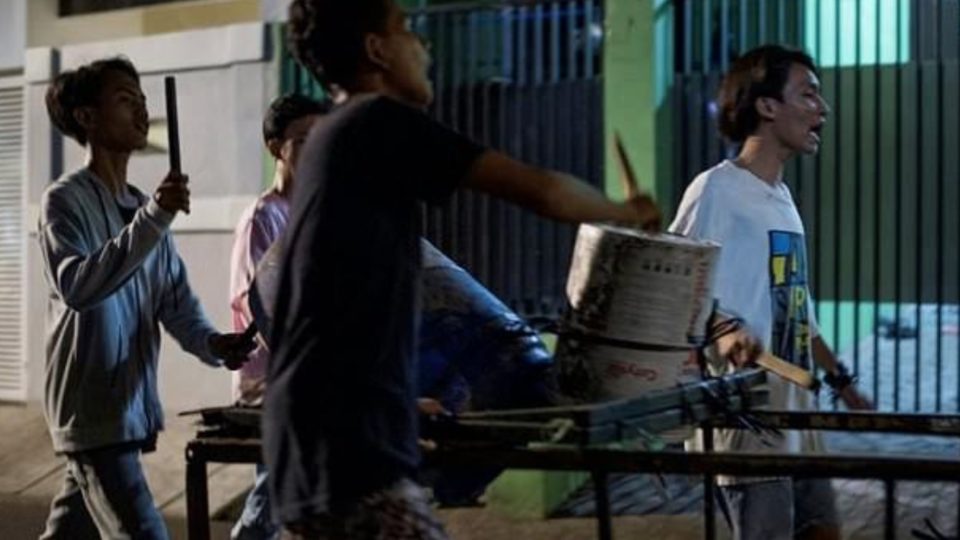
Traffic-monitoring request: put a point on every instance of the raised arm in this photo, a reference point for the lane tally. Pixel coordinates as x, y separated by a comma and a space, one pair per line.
554, 194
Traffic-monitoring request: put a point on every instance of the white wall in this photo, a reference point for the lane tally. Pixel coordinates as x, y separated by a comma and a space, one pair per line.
13, 33
224, 83
274, 10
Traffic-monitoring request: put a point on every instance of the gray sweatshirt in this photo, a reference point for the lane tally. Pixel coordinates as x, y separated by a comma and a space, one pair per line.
111, 286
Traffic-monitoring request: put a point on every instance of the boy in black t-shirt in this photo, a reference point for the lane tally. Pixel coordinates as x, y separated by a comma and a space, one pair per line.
340, 425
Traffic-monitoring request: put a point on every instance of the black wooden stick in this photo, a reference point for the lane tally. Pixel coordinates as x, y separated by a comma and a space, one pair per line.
173, 127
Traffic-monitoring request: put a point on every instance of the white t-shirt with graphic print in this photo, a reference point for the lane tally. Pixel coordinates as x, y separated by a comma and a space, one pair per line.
762, 277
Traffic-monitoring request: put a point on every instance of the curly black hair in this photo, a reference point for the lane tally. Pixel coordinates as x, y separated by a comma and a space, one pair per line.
286, 110
81, 87
760, 72
326, 36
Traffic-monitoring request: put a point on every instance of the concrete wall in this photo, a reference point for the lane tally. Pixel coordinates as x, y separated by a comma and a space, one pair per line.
225, 79
13, 34
274, 10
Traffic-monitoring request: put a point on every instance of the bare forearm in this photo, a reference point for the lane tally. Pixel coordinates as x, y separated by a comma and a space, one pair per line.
573, 200
554, 194
823, 355
838, 377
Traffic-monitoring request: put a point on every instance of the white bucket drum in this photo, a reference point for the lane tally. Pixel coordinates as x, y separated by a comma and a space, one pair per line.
653, 289
599, 372
639, 306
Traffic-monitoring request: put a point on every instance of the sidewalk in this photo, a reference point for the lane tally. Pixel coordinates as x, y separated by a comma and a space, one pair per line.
30, 475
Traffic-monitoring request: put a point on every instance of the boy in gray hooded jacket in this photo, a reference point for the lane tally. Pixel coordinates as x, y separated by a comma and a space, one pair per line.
114, 277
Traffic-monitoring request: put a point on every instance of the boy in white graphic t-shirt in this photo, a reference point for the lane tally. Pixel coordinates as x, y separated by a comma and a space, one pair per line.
770, 102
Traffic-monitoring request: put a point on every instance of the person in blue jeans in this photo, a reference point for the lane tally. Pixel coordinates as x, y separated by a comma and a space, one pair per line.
115, 278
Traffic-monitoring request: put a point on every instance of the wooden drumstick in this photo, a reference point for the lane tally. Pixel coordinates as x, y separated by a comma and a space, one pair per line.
631, 188
788, 371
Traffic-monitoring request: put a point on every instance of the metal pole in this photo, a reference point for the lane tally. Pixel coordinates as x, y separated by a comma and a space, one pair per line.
919, 214
890, 510
198, 510
709, 491
602, 498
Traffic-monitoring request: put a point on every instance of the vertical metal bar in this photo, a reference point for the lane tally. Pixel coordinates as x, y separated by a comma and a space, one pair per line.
537, 225
572, 9
198, 504
440, 50
858, 190
602, 499
781, 23
588, 22
837, 175
687, 36
568, 148
918, 209
957, 250
503, 212
798, 6
818, 184
419, 23
744, 30
800, 14
761, 22
518, 35
554, 132
898, 212
709, 490
877, 201
938, 375
724, 32
539, 53
516, 252
706, 10
889, 509
487, 22
554, 42
439, 106
704, 116
681, 27
455, 229
470, 233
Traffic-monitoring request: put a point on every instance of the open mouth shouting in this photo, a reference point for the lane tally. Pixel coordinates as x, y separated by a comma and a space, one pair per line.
816, 130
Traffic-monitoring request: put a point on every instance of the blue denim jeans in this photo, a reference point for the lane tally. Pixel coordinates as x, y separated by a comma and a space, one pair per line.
474, 350
105, 495
255, 522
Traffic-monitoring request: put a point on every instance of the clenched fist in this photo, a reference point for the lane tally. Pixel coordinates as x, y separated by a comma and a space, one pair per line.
173, 195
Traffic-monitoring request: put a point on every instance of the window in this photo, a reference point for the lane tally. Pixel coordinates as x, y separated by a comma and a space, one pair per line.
79, 7
831, 35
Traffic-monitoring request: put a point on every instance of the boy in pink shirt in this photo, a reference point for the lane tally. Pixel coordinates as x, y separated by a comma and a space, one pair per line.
285, 127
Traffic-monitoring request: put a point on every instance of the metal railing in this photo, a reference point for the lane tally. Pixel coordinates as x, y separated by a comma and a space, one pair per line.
523, 78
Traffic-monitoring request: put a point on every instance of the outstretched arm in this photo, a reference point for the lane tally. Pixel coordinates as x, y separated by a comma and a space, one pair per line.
554, 194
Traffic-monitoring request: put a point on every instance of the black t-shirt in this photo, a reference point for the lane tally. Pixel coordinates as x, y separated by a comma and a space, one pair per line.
341, 406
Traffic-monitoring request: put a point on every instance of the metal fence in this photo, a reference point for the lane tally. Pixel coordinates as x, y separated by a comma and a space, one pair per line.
880, 201
522, 77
